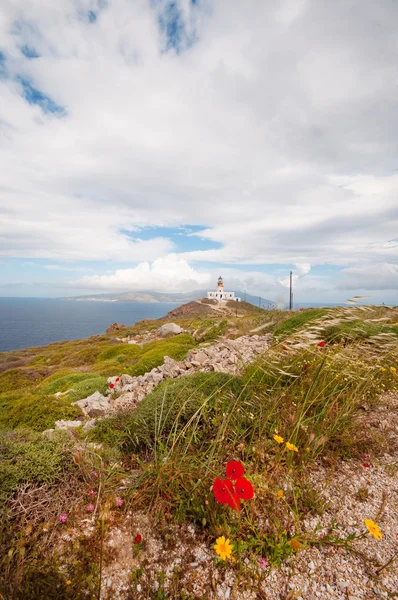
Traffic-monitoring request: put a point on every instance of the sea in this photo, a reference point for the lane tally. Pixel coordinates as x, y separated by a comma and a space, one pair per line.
27, 322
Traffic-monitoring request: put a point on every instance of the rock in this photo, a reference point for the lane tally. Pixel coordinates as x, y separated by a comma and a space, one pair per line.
89, 424
49, 434
132, 342
200, 357
169, 329
67, 424
95, 405
126, 379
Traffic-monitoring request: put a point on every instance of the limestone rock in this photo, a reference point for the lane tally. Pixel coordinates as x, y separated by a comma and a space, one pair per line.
95, 405
169, 329
126, 379
89, 424
67, 424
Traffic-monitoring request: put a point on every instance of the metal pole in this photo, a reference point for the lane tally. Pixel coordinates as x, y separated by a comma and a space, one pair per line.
291, 291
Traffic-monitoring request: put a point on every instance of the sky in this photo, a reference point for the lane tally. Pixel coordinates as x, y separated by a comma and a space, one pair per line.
156, 144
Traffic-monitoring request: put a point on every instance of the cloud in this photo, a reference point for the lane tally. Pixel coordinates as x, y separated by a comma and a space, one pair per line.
271, 124
382, 276
167, 274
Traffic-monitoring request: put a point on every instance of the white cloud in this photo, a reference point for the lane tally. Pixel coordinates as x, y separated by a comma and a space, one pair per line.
382, 276
167, 274
277, 130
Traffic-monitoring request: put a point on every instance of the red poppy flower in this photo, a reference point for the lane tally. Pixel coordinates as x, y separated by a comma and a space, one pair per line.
117, 379
321, 344
244, 489
223, 490
111, 385
138, 539
307, 366
366, 464
235, 470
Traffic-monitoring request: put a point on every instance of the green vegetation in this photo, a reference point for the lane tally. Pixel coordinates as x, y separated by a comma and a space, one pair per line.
169, 408
27, 457
297, 320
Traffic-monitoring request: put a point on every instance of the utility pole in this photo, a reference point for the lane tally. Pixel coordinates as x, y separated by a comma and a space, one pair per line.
291, 291
259, 301
245, 295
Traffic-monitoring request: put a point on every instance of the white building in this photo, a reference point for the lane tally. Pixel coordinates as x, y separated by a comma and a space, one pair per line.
221, 294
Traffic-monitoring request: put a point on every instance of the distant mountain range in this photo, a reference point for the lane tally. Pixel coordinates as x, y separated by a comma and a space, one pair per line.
181, 298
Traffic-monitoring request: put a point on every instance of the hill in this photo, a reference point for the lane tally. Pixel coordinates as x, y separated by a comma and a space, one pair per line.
128, 497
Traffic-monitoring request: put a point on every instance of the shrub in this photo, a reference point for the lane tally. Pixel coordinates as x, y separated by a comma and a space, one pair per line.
169, 407
120, 352
153, 354
25, 456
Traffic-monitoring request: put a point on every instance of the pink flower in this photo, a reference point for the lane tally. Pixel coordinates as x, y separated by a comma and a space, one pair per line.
263, 564
90, 507
118, 501
62, 517
92, 493
366, 455
94, 473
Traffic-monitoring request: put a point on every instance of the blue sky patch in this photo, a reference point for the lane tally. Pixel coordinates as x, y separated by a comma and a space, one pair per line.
172, 26
92, 17
182, 237
35, 96
3, 67
29, 52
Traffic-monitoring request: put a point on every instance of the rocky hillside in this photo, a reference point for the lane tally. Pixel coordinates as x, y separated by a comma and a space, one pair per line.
117, 456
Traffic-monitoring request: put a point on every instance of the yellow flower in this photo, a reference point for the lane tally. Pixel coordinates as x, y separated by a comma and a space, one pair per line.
383, 369
223, 548
393, 369
68, 582
373, 529
290, 446
295, 544
278, 439
279, 494
307, 449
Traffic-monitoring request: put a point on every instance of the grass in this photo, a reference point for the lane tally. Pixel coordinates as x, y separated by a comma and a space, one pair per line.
299, 319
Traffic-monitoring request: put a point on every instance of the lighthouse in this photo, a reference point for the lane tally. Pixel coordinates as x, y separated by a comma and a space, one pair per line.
220, 294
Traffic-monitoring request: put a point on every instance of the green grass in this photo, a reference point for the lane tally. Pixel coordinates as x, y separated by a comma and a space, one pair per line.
294, 322
351, 331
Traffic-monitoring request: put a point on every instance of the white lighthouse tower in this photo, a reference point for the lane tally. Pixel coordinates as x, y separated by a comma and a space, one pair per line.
220, 294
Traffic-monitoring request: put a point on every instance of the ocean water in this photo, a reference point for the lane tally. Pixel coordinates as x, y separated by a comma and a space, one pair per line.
26, 322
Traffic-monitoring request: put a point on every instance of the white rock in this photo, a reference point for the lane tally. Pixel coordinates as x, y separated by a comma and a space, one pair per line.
95, 405
169, 329
67, 424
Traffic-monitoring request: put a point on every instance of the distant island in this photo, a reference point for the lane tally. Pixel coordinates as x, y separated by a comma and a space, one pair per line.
154, 297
